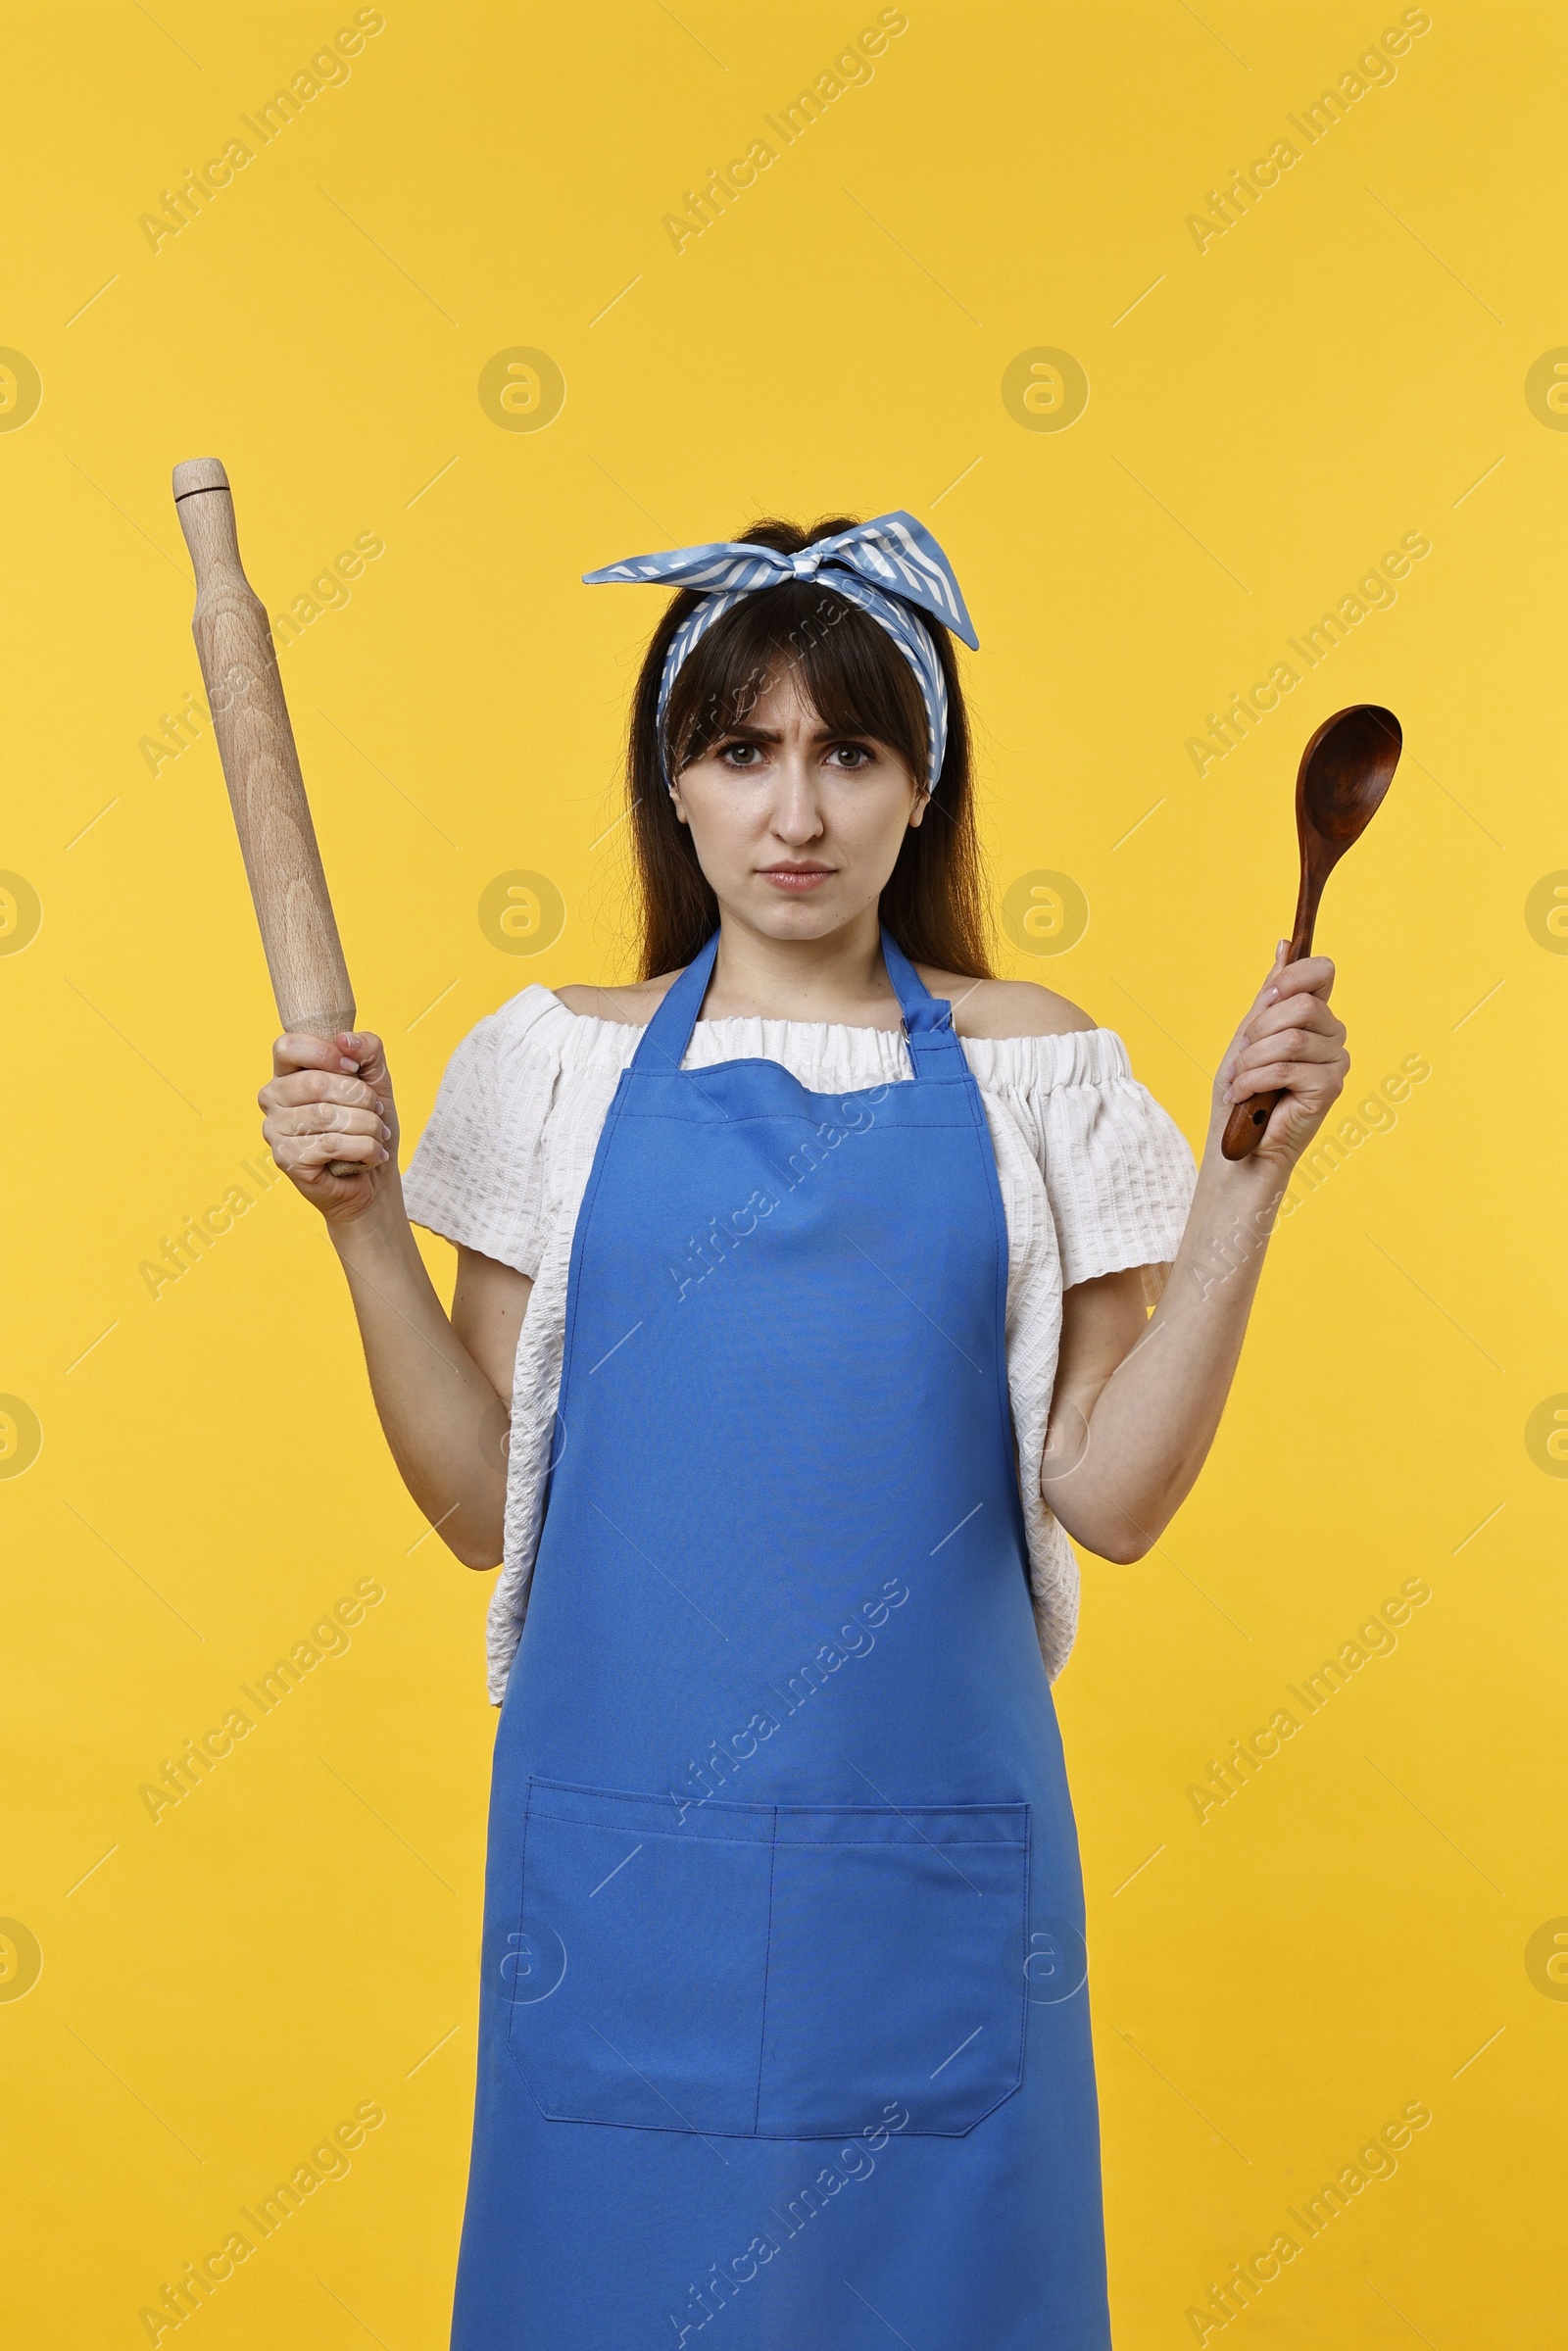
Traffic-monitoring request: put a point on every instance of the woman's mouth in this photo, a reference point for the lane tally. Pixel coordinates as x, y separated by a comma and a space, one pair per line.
793, 879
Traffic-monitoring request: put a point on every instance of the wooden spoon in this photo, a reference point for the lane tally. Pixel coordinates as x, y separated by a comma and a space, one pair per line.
1345, 770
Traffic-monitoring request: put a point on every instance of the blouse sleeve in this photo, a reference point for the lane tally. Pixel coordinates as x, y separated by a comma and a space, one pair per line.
477, 1174
1118, 1170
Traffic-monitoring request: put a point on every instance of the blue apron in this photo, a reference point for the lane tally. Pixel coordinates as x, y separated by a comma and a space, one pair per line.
784, 2030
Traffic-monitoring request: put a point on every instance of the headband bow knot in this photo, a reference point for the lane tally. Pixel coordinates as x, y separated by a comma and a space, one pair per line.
891, 569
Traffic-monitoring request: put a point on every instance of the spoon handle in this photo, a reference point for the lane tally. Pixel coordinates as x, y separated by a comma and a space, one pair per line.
1245, 1128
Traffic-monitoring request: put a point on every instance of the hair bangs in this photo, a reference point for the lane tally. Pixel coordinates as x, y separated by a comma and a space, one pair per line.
845, 668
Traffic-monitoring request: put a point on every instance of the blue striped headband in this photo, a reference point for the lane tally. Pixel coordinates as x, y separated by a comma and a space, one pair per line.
887, 568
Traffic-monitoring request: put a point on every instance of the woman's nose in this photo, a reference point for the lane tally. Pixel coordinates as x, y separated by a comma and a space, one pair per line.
796, 814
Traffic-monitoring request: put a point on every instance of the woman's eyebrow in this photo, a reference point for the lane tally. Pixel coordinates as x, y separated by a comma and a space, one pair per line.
763, 734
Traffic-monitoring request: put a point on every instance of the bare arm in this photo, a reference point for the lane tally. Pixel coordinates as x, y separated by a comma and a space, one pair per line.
1137, 1402
442, 1385
488, 1305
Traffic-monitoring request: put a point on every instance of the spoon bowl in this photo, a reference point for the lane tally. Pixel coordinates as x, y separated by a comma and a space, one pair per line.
1346, 772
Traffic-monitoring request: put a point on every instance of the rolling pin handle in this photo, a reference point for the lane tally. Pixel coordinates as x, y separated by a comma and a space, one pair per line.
261, 768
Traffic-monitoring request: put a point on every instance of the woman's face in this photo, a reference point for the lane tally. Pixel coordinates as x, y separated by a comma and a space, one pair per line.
797, 829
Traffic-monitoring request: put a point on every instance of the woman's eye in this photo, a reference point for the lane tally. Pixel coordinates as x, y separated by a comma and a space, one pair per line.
741, 754
853, 756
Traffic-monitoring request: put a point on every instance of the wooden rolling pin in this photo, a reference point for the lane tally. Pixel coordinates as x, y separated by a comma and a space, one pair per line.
261, 768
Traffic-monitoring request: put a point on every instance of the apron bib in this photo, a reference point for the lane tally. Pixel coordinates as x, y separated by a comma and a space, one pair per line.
784, 2030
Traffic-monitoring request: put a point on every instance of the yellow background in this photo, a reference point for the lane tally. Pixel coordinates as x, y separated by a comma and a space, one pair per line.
1343, 366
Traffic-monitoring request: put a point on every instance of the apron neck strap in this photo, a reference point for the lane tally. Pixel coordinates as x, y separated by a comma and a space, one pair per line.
928, 1031
934, 1049
669, 1032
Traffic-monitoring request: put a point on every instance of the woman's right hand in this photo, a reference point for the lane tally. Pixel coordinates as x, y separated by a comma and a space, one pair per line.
331, 1099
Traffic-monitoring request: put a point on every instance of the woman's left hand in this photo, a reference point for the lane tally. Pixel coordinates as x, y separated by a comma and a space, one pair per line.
1291, 1039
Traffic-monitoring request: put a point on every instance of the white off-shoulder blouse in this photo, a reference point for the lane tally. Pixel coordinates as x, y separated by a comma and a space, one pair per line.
1094, 1178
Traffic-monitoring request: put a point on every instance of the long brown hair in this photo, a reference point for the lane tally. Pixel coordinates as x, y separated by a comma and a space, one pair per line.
934, 903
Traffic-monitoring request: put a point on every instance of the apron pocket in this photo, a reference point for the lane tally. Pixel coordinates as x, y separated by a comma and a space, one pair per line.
653, 2014
796, 1972
896, 1968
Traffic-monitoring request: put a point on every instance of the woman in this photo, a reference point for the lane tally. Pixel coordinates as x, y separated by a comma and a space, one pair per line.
817, 1313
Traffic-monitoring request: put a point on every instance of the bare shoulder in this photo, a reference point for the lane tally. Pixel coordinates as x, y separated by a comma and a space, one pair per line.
634, 1006
1004, 1007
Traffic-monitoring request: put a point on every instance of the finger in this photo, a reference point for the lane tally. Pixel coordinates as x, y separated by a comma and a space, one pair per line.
1296, 1044
319, 1086
1313, 974
326, 1177
364, 1049
1283, 1077
327, 1118
328, 1097
1313, 977
1294, 1017
299, 1155
1303, 1078
1296, 1077
294, 1051
1266, 985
